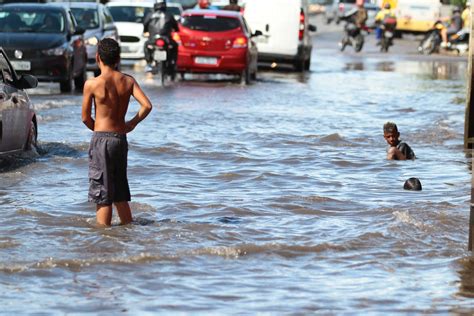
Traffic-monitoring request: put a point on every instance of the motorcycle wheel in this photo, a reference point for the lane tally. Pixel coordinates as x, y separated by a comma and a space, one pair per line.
343, 43
359, 42
384, 45
428, 45
163, 72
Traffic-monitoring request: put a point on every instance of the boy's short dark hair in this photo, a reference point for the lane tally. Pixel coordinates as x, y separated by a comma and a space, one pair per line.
390, 127
109, 51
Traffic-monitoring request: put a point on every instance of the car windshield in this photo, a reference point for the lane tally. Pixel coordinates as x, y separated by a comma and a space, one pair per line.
129, 13
173, 10
19, 21
210, 23
86, 18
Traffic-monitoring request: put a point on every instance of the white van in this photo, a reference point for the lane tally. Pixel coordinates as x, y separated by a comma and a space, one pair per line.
285, 28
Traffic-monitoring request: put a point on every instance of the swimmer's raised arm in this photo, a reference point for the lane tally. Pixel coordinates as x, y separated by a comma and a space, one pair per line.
87, 105
145, 106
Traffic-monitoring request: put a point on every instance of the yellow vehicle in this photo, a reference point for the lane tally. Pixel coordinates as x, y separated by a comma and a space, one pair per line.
415, 16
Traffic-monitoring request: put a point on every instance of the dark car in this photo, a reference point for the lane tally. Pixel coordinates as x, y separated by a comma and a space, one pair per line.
18, 127
44, 40
96, 19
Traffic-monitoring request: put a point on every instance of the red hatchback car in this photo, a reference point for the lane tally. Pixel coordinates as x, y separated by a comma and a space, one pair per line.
213, 41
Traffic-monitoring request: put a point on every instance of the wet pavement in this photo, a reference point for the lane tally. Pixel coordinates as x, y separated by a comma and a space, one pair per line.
269, 198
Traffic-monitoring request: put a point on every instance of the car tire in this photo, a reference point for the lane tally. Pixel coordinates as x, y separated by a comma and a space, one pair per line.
299, 64
32, 140
307, 64
80, 80
66, 85
254, 75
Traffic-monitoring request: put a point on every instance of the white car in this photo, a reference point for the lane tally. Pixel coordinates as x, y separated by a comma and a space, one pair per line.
286, 36
128, 17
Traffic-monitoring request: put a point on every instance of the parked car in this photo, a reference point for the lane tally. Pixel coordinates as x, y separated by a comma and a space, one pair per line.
18, 125
44, 40
286, 36
96, 19
128, 17
338, 9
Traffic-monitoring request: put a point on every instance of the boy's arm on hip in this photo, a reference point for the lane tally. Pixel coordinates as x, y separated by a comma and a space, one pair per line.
87, 105
145, 105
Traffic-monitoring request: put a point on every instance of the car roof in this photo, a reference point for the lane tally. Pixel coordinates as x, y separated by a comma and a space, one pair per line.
130, 4
88, 5
222, 13
35, 6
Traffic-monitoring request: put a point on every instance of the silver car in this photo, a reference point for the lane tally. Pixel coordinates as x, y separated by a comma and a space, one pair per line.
18, 125
96, 19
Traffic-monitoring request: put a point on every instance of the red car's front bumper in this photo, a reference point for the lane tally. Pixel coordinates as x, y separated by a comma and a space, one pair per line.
233, 61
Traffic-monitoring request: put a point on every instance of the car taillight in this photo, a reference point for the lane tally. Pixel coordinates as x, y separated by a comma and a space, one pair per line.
160, 43
176, 38
240, 42
302, 20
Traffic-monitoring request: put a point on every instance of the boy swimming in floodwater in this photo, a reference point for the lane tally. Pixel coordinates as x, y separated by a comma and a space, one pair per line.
110, 93
398, 150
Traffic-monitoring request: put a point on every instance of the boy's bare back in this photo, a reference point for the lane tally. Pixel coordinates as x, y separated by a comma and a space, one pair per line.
111, 93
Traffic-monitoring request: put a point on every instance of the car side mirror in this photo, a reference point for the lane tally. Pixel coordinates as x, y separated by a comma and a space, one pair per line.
79, 31
257, 33
27, 82
312, 28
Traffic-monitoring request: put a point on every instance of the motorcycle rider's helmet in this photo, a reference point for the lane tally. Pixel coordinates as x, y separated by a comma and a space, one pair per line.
204, 4
387, 6
160, 5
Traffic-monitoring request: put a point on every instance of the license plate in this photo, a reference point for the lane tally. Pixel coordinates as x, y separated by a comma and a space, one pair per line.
262, 39
159, 55
206, 60
21, 65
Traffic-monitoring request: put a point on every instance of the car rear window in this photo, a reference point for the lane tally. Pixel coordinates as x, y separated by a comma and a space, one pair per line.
129, 13
210, 23
41, 21
86, 18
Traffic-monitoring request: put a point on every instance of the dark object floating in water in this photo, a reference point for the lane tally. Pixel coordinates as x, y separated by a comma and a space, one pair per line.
412, 184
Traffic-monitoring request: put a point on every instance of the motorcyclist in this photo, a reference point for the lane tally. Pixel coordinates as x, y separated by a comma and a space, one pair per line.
455, 25
205, 5
233, 6
385, 18
160, 22
361, 15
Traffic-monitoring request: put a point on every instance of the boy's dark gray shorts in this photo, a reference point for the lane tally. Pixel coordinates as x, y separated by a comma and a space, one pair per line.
108, 181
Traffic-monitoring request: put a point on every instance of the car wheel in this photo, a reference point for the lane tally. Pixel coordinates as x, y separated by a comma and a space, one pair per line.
66, 85
245, 76
32, 140
307, 64
80, 80
299, 64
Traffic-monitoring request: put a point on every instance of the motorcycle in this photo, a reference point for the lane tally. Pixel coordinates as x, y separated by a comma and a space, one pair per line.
388, 33
431, 43
352, 33
163, 63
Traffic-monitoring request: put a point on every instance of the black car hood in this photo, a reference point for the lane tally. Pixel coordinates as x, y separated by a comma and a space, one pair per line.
31, 41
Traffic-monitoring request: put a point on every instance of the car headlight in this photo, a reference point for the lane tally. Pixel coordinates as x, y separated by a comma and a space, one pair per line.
92, 41
57, 51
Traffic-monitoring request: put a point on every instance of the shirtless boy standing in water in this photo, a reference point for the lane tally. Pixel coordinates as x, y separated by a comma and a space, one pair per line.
110, 93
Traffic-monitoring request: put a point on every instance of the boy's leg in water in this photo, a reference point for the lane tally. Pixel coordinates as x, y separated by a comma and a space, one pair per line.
124, 212
104, 214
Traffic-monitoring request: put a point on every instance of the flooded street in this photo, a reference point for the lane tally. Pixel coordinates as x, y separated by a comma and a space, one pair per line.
273, 198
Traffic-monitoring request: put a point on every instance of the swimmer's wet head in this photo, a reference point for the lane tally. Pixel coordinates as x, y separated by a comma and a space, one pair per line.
391, 134
412, 184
